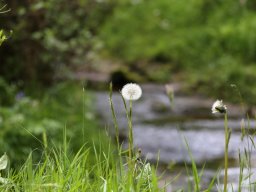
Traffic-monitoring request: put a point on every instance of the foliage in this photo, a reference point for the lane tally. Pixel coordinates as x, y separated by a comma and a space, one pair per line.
48, 36
2, 37
25, 124
169, 30
61, 170
7, 93
207, 42
155, 41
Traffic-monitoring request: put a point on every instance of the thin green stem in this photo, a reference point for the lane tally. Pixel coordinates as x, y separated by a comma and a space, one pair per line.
130, 137
130, 144
83, 114
227, 136
114, 114
130, 130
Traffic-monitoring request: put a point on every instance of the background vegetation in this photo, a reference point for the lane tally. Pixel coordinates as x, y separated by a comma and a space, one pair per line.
28, 123
47, 36
205, 44
210, 44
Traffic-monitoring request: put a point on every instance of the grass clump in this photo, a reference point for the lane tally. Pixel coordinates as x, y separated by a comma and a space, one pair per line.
60, 171
25, 123
96, 166
99, 166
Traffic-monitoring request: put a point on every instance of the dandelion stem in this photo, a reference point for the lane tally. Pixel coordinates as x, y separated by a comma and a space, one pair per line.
227, 136
130, 131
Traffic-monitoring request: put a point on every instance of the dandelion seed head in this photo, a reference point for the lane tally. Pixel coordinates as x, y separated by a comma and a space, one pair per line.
219, 107
131, 91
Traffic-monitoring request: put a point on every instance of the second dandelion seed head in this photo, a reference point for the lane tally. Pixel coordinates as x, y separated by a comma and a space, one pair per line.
219, 107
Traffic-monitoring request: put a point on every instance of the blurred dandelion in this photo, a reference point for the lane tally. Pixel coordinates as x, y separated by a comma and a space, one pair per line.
131, 91
219, 107
170, 93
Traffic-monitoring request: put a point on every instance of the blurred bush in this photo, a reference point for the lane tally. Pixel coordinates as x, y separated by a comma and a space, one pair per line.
7, 93
212, 43
185, 34
48, 36
24, 123
150, 40
2, 37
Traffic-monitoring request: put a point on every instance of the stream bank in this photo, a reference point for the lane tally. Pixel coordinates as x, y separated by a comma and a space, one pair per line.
160, 130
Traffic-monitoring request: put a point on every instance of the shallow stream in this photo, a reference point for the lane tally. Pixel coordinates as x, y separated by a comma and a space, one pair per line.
160, 130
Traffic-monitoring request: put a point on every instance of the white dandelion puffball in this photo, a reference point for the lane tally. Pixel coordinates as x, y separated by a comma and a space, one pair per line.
219, 107
131, 91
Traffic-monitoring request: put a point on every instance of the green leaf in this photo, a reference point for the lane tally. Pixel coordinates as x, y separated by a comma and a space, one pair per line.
2, 37
3, 162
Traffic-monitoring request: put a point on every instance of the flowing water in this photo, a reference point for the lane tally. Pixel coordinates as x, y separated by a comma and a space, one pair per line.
161, 128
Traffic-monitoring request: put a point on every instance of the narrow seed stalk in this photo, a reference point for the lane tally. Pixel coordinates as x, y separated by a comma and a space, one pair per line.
130, 131
227, 136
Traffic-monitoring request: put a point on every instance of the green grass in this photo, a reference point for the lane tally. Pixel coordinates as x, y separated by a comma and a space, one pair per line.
80, 157
93, 162
29, 121
60, 171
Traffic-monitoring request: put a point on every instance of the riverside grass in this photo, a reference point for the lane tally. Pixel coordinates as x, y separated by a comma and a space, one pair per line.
112, 170
61, 170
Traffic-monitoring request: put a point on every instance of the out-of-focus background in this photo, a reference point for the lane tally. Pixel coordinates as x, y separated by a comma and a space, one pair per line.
205, 44
202, 49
